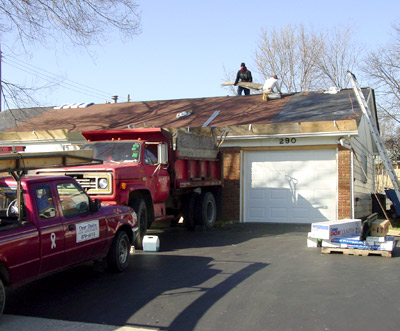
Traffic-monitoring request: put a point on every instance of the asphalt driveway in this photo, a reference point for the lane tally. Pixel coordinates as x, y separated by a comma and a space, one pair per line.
239, 277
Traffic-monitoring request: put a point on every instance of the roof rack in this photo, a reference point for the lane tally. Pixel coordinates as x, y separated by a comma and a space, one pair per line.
17, 164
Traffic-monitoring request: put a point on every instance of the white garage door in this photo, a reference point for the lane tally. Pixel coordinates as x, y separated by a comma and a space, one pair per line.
290, 186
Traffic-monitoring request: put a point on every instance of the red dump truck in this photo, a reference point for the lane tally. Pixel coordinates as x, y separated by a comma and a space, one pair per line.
49, 223
162, 175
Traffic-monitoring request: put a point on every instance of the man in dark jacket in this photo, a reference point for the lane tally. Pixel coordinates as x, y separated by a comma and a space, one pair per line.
243, 75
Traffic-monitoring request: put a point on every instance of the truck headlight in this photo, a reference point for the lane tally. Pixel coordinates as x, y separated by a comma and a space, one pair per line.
103, 183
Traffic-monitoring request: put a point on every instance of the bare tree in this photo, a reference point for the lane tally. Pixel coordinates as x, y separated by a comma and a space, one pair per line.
83, 22
382, 68
290, 53
78, 22
340, 54
23, 95
230, 77
304, 59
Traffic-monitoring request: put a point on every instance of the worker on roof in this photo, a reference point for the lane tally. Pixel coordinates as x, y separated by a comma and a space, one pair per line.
243, 75
271, 88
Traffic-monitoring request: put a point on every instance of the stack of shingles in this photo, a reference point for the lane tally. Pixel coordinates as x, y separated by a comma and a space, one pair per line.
349, 233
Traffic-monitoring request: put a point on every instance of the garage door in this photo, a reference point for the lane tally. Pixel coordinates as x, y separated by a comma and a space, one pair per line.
290, 186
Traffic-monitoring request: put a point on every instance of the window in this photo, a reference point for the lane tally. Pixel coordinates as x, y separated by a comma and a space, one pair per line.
73, 200
118, 151
8, 201
150, 155
3, 200
364, 165
44, 202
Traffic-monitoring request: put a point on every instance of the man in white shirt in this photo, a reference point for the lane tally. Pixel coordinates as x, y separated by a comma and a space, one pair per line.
271, 88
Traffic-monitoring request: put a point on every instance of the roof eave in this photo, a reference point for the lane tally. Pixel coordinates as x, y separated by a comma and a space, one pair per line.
296, 135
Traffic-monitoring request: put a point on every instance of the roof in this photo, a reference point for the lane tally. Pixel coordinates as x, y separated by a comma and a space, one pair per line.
217, 111
317, 106
11, 118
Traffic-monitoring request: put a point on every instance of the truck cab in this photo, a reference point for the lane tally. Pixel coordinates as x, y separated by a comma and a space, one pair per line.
129, 164
49, 223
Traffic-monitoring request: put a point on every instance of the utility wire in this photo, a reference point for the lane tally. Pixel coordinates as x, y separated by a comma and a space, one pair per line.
49, 75
52, 78
8, 106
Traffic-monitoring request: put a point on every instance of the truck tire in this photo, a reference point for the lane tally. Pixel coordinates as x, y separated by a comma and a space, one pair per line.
2, 297
142, 215
207, 210
118, 255
189, 212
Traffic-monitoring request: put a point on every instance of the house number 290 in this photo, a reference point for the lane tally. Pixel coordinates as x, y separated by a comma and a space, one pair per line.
283, 141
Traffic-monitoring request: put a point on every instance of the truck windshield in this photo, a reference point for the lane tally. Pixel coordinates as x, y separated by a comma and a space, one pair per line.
8, 201
118, 151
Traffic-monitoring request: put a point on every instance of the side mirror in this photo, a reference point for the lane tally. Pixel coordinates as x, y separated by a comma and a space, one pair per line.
95, 205
162, 150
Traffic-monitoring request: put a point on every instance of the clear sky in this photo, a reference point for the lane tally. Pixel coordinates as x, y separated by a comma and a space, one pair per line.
186, 46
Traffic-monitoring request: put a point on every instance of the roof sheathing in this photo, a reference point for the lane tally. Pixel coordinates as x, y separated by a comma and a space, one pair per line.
318, 106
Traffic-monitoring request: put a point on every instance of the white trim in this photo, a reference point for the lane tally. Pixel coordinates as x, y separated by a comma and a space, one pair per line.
283, 141
352, 184
295, 135
241, 186
337, 181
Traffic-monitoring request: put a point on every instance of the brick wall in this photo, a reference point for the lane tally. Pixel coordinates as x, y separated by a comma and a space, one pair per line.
231, 190
344, 183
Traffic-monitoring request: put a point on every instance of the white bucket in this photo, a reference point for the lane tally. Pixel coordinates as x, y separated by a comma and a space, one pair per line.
151, 243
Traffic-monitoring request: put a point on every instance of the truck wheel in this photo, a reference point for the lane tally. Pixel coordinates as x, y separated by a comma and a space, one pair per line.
141, 212
118, 256
189, 212
207, 210
2, 296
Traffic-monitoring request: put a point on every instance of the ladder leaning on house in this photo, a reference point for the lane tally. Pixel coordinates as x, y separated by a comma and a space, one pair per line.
377, 139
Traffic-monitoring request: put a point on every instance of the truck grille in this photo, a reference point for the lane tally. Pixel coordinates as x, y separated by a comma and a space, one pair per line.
86, 183
90, 181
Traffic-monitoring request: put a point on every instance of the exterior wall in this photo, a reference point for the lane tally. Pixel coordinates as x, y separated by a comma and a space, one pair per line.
363, 158
344, 183
231, 190
43, 141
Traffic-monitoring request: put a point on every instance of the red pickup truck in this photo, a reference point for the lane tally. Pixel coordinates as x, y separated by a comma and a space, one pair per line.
53, 225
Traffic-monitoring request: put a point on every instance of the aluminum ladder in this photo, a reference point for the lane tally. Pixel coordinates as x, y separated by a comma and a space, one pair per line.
378, 141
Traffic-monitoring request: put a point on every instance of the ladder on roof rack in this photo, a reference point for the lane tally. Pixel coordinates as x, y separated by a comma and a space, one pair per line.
377, 139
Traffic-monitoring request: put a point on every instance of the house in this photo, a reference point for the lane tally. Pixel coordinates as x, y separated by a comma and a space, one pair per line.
304, 158
41, 141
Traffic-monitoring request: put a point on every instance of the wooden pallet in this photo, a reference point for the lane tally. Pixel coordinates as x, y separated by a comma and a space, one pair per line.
354, 251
